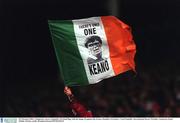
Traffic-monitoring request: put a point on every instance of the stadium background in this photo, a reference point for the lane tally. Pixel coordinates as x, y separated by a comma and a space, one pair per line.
30, 81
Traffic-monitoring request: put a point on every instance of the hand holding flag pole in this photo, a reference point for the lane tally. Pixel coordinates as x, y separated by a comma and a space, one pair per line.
68, 92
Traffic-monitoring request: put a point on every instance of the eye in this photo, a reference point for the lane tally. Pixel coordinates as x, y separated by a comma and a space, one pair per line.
90, 45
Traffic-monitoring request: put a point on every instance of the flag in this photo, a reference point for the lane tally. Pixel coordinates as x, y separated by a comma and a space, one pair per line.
92, 49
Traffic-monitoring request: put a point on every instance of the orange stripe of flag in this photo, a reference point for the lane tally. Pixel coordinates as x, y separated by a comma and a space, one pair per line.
121, 45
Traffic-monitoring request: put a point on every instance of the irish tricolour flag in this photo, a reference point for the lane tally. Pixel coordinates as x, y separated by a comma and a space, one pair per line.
92, 49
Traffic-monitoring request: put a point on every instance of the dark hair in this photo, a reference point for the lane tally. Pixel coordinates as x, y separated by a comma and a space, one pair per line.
92, 39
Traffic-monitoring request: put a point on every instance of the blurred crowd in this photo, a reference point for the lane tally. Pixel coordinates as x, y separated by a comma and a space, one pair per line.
152, 92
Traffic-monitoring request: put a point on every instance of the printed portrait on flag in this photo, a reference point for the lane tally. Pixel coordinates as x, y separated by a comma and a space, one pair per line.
94, 43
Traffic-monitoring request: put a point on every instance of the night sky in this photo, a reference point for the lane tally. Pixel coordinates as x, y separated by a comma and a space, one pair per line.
28, 57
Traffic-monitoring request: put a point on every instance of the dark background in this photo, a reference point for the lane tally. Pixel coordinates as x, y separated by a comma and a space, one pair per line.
29, 69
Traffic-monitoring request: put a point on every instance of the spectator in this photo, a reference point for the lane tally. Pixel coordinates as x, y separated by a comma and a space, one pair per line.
77, 108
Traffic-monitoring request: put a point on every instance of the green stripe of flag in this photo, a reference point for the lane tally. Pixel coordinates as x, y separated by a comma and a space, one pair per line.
68, 56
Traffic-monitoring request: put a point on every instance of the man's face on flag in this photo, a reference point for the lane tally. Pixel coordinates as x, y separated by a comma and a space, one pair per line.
94, 48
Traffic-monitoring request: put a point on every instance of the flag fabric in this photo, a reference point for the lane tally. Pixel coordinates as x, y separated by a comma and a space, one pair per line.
92, 49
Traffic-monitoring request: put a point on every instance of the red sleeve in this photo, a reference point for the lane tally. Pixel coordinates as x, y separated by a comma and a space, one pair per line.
79, 109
